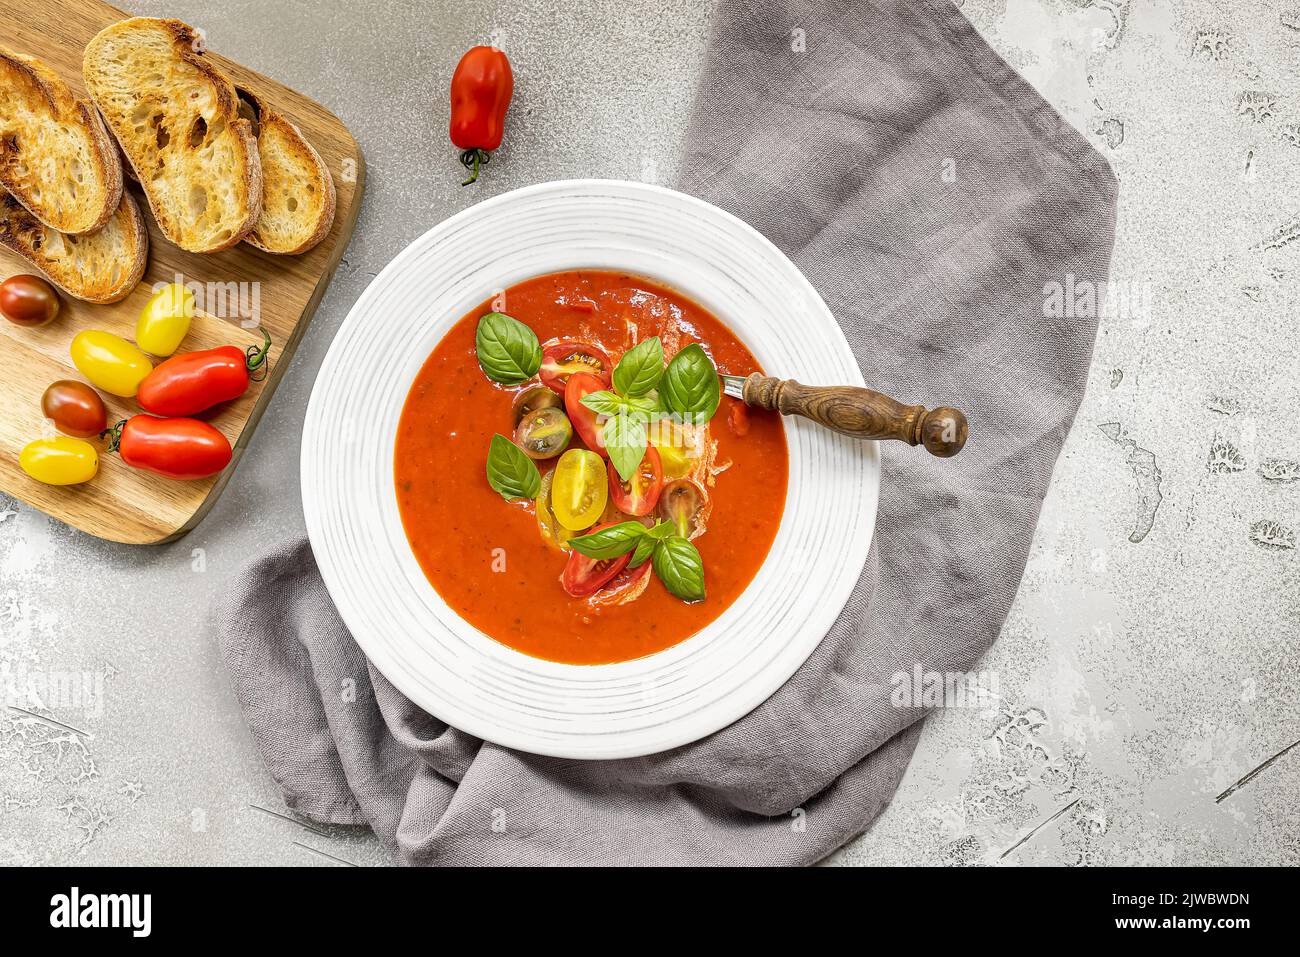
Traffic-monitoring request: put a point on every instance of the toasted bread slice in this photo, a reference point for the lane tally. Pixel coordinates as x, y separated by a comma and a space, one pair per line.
102, 266
297, 189
56, 158
177, 119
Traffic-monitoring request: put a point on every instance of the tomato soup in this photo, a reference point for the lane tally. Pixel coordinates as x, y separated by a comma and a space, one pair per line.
487, 556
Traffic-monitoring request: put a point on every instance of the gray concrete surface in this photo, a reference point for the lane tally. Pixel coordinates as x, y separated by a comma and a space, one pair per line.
1150, 659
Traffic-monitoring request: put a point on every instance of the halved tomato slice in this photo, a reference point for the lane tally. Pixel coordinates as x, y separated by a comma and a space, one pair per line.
585, 421
641, 495
628, 585
562, 359
582, 575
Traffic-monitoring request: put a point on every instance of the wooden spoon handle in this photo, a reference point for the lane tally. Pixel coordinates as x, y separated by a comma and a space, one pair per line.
861, 413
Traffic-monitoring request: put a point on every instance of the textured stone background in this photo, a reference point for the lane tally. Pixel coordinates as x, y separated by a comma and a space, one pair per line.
1150, 660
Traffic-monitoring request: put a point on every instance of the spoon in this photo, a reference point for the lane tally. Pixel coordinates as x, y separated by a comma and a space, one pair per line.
860, 413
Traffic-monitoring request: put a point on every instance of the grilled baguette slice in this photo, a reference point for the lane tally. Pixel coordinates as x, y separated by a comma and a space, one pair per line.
103, 266
297, 190
56, 158
177, 119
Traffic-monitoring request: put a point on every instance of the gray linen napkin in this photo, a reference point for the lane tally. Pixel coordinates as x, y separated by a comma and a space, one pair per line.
930, 195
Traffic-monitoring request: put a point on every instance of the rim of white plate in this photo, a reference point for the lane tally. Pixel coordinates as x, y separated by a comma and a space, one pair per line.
416, 640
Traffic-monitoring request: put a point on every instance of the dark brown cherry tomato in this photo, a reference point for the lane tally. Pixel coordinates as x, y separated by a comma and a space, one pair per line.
584, 420
180, 449
680, 502
639, 496
532, 398
583, 575
481, 89
28, 300
562, 359
75, 407
544, 434
193, 381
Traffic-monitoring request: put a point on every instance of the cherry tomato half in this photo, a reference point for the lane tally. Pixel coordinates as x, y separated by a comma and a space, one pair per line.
75, 407
585, 422
579, 491
548, 526
562, 359
583, 575
624, 587
639, 496
173, 448
28, 300
544, 434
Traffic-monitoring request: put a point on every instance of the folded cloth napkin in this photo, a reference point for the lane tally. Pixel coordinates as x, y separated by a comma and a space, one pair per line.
933, 199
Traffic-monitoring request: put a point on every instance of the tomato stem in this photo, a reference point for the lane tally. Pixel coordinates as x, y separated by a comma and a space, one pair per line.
116, 436
471, 159
257, 357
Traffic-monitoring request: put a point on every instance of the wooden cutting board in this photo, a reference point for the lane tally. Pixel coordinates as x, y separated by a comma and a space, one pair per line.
120, 503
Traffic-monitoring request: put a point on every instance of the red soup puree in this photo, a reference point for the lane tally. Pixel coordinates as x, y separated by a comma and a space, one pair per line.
505, 564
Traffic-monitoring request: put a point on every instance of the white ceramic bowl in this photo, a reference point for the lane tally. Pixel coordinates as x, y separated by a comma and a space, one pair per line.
450, 668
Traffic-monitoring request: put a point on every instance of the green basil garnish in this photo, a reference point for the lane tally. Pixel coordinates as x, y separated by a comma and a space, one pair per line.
603, 403
611, 542
675, 560
508, 351
510, 472
624, 437
639, 370
678, 564
690, 387
645, 547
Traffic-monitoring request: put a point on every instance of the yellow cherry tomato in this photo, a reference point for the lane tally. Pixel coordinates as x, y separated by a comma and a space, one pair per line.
60, 461
579, 490
165, 320
110, 362
677, 450
552, 532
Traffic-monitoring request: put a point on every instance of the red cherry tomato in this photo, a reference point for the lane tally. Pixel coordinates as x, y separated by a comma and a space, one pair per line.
641, 495
584, 421
481, 89
583, 575
28, 300
561, 359
626, 586
189, 383
173, 448
75, 407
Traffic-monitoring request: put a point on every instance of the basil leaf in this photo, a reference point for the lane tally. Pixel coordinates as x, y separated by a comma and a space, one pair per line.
690, 386
644, 407
603, 403
644, 549
510, 472
678, 564
660, 530
640, 368
625, 441
508, 351
610, 542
